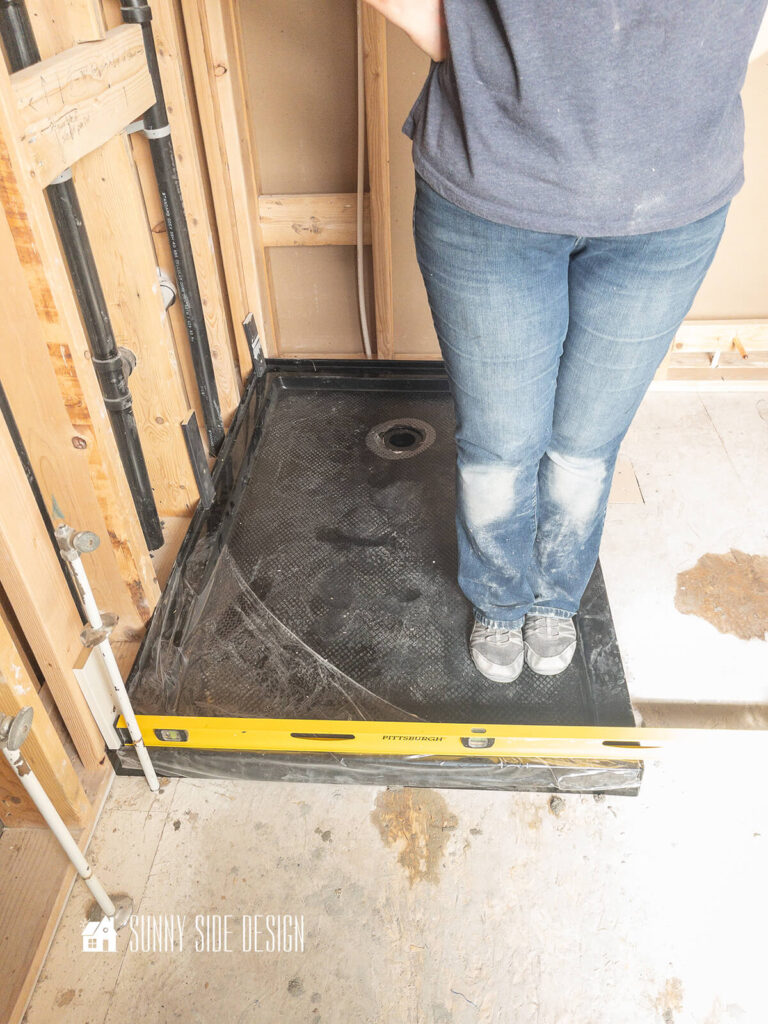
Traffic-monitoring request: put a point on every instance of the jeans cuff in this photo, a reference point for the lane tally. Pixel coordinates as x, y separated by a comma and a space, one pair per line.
556, 613
486, 620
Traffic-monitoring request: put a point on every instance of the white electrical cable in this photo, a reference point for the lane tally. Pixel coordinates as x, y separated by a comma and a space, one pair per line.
360, 186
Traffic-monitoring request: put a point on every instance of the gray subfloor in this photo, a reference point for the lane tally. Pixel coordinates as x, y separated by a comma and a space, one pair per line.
450, 907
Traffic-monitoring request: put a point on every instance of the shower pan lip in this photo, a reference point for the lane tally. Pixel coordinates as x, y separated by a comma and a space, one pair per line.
208, 536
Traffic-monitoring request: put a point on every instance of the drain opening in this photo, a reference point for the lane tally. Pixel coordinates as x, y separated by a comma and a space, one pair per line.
400, 439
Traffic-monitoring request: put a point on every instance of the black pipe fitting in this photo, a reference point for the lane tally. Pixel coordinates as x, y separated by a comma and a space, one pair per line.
136, 11
18, 38
158, 132
111, 373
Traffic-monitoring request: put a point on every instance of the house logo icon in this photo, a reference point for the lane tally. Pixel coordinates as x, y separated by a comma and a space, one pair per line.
100, 936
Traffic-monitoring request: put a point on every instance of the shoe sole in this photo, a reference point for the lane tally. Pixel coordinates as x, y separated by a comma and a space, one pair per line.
498, 673
550, 666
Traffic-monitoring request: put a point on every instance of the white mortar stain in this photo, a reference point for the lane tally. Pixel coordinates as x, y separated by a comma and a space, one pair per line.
488, 492
576, 484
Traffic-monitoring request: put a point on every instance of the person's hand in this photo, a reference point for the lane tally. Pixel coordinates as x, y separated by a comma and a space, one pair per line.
422, 20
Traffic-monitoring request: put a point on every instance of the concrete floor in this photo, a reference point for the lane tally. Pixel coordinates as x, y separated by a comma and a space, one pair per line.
451, 907
701, 460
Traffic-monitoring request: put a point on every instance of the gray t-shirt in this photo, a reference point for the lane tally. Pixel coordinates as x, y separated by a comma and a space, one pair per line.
589, 117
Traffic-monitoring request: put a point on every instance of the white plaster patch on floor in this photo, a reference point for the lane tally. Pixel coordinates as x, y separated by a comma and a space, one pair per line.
701, 462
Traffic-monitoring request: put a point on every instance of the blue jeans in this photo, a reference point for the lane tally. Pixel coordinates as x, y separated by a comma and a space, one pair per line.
550, 342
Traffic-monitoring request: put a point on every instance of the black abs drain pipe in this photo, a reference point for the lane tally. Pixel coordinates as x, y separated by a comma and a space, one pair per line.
158, 131
109, 364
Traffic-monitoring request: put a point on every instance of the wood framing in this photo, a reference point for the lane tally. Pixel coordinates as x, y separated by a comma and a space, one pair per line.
42, 749
110, 182
374, 27
31, 573
75, 21
52, 388
728, 371
115, 217
212, 29
11, 623
162, 392
16, 808
742, 336
329, 219
73, 102
716, 354
182, 115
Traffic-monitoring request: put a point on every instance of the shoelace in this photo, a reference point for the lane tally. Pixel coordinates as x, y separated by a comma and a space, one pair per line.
497, 634
545, 625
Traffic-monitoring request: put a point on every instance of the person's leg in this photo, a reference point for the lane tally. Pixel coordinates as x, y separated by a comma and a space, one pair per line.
628, 296
499, 301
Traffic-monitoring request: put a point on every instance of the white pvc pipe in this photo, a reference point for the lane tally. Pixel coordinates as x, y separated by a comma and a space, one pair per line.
42, 801
360, 251
118, 686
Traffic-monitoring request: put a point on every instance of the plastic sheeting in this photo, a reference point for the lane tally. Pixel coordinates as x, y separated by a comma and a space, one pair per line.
227, 654
525, 774
322, 584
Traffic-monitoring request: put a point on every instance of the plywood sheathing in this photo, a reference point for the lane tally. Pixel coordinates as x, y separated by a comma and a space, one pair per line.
301, 82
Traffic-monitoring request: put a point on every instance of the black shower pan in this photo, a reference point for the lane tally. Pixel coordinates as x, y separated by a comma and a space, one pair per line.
312, 628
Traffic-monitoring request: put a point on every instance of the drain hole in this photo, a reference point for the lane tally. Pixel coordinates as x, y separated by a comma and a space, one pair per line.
401, 437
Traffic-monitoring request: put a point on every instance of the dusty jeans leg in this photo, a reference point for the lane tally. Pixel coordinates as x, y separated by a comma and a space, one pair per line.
550, 343
499, 301
627, 298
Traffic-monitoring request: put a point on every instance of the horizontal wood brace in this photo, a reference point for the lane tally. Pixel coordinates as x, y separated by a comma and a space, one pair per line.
75, 101
322, 219
742, 336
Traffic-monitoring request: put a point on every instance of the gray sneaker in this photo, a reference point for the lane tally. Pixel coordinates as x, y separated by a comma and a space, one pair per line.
497, 652
550, 643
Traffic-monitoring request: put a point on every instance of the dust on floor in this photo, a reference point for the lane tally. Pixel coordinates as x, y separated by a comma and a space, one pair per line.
428, 907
